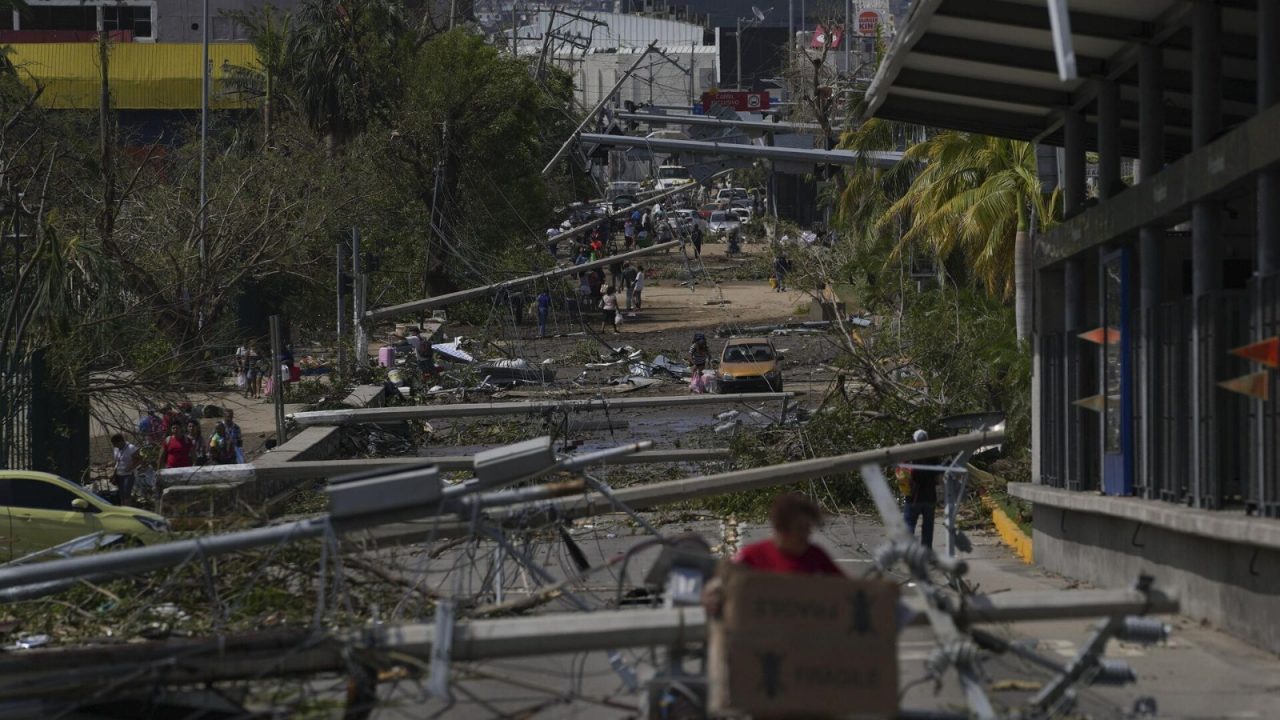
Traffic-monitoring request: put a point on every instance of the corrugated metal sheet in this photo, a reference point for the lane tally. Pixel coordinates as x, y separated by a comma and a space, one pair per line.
143, 76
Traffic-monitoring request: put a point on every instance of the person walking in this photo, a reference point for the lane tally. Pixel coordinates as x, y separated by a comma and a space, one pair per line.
628, 282
609, 308
254, 389
125, 455
234, 436
638, 287
220, 452
922, 497
699, 356
697, 241
177, 448
780, 267
629, 234
199, 451
544, 310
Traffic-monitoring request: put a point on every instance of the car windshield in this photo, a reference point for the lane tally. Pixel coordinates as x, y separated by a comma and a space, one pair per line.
753, 352
719, 216
673, 173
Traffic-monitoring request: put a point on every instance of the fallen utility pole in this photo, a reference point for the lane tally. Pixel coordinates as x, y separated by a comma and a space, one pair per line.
604, 100
28, 581
672, 491
879, 158
300, 469
461, 295
260, 654
433, 412
709, 121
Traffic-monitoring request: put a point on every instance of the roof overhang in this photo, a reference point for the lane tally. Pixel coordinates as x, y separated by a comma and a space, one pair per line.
988, 66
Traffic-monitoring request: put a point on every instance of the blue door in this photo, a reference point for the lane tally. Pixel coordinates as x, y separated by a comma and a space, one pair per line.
1117, 376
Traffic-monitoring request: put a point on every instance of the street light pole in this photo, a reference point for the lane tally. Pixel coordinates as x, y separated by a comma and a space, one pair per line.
738, 37
204, 124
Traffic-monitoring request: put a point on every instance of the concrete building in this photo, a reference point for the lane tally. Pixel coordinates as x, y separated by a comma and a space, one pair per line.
1142, 460
597, 48
154, 21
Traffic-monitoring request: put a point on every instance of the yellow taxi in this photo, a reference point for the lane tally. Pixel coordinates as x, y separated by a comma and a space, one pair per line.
39, 510
750, 364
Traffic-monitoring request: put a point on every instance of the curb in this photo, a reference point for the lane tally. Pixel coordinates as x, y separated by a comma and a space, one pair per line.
1010, 533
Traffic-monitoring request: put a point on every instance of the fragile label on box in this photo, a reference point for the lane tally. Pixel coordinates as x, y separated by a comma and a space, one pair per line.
804, 645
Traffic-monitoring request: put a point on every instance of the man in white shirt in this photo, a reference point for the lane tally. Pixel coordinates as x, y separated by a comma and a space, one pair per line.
125, 455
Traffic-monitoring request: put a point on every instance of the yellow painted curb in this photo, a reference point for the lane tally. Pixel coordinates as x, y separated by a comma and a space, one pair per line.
1010, 533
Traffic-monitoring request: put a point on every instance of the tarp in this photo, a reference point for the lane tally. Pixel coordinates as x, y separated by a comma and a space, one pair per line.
142, 76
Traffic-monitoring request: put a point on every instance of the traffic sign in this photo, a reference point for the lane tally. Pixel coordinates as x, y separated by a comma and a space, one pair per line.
868, 22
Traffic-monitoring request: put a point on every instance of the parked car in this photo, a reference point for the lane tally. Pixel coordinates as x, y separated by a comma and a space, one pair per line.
39, 510
750, 364
705, 211
743, 214
686, 220
723, 222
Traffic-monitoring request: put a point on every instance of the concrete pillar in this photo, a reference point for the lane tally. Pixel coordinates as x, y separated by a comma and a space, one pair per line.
1108, 139
1080, 424
1149, 471
1073, 185
1268, 247
1267, 242
1206, 270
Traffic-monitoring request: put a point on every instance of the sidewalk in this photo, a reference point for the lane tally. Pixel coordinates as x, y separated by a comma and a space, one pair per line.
1199, 673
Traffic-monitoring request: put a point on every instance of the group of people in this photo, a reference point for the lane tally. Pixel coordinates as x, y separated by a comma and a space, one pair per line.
173, 438
251, 369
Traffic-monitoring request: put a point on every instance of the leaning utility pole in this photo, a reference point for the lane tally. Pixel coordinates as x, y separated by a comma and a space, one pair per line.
343, 287
599, 106
358, 291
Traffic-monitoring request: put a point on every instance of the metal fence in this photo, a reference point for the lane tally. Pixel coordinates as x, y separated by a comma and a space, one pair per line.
15, 418
1174, 430
1262, 493
1053, 404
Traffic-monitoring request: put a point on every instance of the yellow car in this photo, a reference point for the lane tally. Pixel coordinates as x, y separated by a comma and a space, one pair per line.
750, 364
39, 510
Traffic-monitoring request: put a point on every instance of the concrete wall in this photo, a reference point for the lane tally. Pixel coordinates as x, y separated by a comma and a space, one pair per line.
1232, 585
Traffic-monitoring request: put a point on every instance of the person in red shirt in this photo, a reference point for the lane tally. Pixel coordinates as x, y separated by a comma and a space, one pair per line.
177, 449
793, 517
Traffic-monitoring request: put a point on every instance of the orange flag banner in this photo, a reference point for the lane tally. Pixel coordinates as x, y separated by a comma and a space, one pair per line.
1257, 385
1108, 335
1096, 403
1266, 352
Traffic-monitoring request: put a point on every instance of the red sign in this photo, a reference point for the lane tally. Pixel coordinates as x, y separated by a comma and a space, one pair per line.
867, 22
741, 101
820, 37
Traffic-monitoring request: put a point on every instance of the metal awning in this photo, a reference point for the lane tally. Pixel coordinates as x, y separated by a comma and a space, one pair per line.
988, 66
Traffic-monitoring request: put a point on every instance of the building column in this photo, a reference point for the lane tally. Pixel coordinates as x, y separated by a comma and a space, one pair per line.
1073, 181
1268, 247
1149, 471
1109, 182
1206, 270
1075, 279
1265, 455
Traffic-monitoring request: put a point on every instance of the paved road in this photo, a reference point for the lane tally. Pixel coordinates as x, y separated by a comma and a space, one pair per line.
1200, 673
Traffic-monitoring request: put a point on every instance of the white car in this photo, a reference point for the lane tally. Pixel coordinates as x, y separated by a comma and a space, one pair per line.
743, 214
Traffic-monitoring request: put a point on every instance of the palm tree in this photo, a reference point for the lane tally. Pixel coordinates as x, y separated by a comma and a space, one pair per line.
345, 59
269, 32
975, 196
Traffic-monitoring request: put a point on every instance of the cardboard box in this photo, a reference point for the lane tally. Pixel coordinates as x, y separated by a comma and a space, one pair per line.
794, 645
